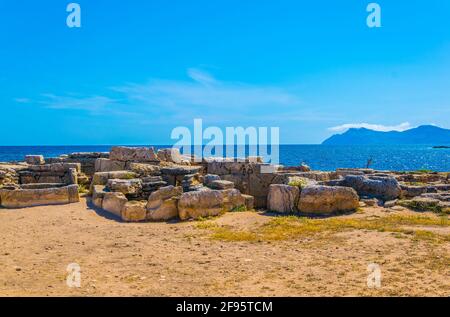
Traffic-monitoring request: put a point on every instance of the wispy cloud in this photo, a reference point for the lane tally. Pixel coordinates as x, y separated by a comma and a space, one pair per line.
200, 95
376, 127
22, 100
201, 76
91, 103
204, 92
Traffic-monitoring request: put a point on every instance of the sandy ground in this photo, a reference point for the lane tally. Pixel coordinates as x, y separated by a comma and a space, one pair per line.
180, 259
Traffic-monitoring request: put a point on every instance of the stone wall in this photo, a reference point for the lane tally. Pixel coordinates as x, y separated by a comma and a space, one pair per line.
56, 173
85, 159
254, 178
8, 177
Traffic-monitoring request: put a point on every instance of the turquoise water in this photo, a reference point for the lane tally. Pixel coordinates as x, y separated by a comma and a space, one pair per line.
319, 157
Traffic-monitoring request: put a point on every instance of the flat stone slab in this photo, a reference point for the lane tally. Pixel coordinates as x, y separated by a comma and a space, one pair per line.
133, 154
221, 184
180, 170
37, 197
34, 159
125, 186
42, 185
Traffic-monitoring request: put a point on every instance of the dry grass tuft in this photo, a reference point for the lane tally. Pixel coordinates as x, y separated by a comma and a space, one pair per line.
291, 227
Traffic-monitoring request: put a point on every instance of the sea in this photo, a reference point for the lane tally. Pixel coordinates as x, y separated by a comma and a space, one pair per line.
318, 157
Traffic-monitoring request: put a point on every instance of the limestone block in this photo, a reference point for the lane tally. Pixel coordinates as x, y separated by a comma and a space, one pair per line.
134, 211
113, 202
37, 197
283, 198
107, 165
34, 159
133, 154
163, 203
327, 199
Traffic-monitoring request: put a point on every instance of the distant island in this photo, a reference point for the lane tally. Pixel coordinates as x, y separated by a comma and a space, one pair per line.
441, 147
425, 134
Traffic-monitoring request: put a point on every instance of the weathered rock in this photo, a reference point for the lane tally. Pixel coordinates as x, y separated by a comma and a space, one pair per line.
134, 211
327, 199
353, 171
50, 173
153, 186
254, 159
209, 178
221, 184
54, 168
172, 155
232, 199
98, 193
316, 175
282, 198
87, 160
208, 203
423, 204
143, 170
370, 201
390, 203
163, 203
385, 188
180, 170
86, 155
304, 168
101, 178
71, 176
413, 191
133, 154
191, 182
248, 177
438, 196
113, 202
41, 185
38, 197
174, 175
421, 177
125, 186
249, 202
8, 176
107, 165
34, 159
438, 188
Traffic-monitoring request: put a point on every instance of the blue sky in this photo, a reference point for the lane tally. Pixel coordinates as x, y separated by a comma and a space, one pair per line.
137, 69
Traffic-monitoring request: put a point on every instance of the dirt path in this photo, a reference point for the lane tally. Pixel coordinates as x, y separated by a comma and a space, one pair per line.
181, 259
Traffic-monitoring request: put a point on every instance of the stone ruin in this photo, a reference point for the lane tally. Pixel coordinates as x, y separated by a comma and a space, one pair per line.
36, 183
140, 184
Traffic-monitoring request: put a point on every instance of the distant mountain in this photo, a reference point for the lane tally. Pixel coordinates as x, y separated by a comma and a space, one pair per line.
425, 134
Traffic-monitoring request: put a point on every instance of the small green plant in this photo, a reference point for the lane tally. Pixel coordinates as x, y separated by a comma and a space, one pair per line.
416, 184
424, 171
298, 182
206, 218
422, 206
207, 225
82, 189
130, 175
239, 209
